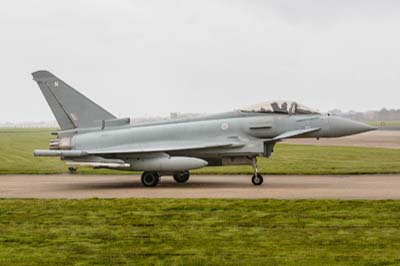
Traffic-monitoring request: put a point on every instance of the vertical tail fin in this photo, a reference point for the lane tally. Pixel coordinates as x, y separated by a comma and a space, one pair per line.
71, 108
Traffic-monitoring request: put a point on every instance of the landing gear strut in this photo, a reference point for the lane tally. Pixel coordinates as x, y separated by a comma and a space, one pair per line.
150, 179
182, 177
256, 179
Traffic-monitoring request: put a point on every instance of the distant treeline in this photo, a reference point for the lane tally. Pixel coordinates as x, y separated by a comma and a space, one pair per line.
381, 115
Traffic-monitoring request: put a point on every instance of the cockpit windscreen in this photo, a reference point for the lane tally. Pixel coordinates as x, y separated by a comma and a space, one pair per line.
283, 107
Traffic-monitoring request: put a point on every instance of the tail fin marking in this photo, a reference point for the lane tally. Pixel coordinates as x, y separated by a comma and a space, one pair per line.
71, 108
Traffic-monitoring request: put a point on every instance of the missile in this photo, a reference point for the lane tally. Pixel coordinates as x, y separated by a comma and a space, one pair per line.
60, 153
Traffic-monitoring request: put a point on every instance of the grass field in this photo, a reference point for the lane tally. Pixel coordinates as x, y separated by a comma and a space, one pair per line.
16, 148
384, 123
199, 232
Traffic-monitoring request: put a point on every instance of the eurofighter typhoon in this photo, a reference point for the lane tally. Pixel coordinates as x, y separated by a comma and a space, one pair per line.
91, 136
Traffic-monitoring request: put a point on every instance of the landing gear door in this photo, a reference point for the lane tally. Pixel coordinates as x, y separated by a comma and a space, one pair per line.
268, 149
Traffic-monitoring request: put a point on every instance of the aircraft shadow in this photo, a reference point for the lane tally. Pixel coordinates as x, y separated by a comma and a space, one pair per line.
190, 185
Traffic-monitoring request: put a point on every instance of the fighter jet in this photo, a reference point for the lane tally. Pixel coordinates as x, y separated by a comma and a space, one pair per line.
91, 136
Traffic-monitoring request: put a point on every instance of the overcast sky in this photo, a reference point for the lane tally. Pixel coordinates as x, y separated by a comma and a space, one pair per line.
155, 57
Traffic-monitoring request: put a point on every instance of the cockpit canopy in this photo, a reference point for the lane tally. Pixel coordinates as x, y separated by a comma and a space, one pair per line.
283, 107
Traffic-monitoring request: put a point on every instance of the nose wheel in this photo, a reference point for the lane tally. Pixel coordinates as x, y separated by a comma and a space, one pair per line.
256, 179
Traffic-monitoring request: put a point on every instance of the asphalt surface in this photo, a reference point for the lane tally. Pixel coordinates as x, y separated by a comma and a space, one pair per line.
238, 186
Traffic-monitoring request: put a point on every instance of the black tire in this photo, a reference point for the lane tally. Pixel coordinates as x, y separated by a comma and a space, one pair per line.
150, 179
257, 180
182, 177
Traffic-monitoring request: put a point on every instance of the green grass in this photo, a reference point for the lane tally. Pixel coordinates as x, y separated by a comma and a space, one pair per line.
16, 157
384, 123
199, 232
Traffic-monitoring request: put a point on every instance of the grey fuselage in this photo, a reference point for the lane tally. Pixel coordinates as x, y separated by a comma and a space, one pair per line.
253, 132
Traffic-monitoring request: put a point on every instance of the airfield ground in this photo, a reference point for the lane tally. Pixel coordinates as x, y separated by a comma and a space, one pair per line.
16, 146
199, 232
134, 231
199, 186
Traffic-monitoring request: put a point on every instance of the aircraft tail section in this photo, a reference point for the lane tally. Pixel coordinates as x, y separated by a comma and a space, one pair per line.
71, 108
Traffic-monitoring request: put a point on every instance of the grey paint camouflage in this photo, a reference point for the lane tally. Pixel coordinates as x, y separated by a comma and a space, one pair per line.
92, 136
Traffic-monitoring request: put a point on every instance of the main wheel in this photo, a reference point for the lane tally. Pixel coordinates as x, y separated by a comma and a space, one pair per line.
257, 179
150, 179
182, 177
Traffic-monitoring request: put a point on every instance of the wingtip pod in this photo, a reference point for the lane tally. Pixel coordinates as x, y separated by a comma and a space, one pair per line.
41, 75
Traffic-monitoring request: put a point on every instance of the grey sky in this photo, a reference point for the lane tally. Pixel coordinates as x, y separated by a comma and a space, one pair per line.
154, 57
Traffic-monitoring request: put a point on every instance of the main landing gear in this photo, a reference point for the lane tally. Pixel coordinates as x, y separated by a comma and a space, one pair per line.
150, 179
182, 177
256, 179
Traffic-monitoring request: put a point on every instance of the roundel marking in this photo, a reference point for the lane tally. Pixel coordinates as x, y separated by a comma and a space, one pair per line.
224, 126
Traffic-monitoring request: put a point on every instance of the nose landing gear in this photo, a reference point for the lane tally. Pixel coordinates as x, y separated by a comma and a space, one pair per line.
256, 179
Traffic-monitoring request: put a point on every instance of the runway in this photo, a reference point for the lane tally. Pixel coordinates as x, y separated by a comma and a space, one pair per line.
237, 186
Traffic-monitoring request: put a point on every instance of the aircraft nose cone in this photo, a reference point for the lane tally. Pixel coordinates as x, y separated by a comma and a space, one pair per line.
343, 127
